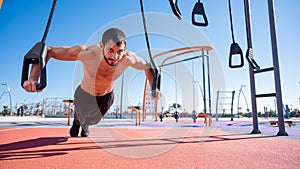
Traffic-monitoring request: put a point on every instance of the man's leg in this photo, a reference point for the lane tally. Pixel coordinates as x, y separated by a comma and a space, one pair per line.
104, 103
84, 130
75, 127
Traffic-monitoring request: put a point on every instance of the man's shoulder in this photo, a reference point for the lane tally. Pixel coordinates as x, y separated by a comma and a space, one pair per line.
94, 47
90, 53
131, 55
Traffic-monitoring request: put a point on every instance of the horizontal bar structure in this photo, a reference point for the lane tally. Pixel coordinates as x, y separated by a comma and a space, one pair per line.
263, 70
167, 64
224, 91
225, 103
225, 109
172, 54
225, 97
186, 49
266, 95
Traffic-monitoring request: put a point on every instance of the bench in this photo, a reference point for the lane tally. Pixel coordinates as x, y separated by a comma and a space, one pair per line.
136, 109
290, 123
69, 109
203, 115
207, 118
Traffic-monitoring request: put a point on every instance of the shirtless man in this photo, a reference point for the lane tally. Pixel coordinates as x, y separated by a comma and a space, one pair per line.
103, 64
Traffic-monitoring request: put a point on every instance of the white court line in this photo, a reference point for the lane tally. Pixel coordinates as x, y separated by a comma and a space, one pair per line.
10, 129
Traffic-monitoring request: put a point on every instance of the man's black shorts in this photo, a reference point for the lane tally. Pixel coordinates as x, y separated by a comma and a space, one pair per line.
90, 109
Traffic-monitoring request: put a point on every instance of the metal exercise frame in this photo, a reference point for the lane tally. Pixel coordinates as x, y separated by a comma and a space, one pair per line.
275, 68
176, 53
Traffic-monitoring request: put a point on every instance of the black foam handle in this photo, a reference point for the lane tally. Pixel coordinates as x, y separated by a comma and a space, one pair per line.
155, 82
199, 10
36, 55
175, 9
251, 60
235, 50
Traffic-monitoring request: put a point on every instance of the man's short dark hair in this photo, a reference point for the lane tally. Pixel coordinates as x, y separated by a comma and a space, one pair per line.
114, 34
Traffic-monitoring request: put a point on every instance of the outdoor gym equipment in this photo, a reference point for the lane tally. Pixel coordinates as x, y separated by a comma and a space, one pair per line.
37, 55
180, 52
197, 13
194, 49
235, 49
70, 102
225, 100
136, 109
199, 10
156, 75
175, 9
275, 68
249, 54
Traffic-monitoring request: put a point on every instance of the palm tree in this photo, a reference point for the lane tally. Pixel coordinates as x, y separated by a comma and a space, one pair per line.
176, 105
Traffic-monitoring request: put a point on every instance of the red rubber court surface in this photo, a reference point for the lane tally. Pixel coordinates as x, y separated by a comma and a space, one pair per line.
140, 147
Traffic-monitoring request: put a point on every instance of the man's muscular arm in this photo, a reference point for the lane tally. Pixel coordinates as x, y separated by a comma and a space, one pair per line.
141, 64
69, 53
60, 53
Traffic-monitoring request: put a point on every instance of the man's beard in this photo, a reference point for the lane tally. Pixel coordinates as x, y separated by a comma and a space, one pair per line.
107, 59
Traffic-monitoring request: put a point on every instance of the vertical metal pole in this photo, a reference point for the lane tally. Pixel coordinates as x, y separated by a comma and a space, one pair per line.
276, 70
193, 69
238, 102
10, 104
208, 81
251, 72
69, 113
217, 102
156, 109
121, 99
204, 87
245, 101
144, 99
44, 107
232, 98
175, 91
10, 100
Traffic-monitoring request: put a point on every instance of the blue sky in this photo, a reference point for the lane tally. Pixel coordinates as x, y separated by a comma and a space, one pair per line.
22, 24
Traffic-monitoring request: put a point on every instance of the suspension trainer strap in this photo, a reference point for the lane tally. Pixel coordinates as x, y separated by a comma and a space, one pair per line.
231, 22
235, 49
49, 21
155, 72
37, 55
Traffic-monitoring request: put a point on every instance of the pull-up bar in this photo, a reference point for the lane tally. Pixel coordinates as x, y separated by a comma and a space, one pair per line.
187, 50
179, 61
175, 53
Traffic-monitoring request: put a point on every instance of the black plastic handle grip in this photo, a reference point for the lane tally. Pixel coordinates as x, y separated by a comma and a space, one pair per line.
251, 60
36, 55
235, 50
199, 10
175, 9
155, 82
